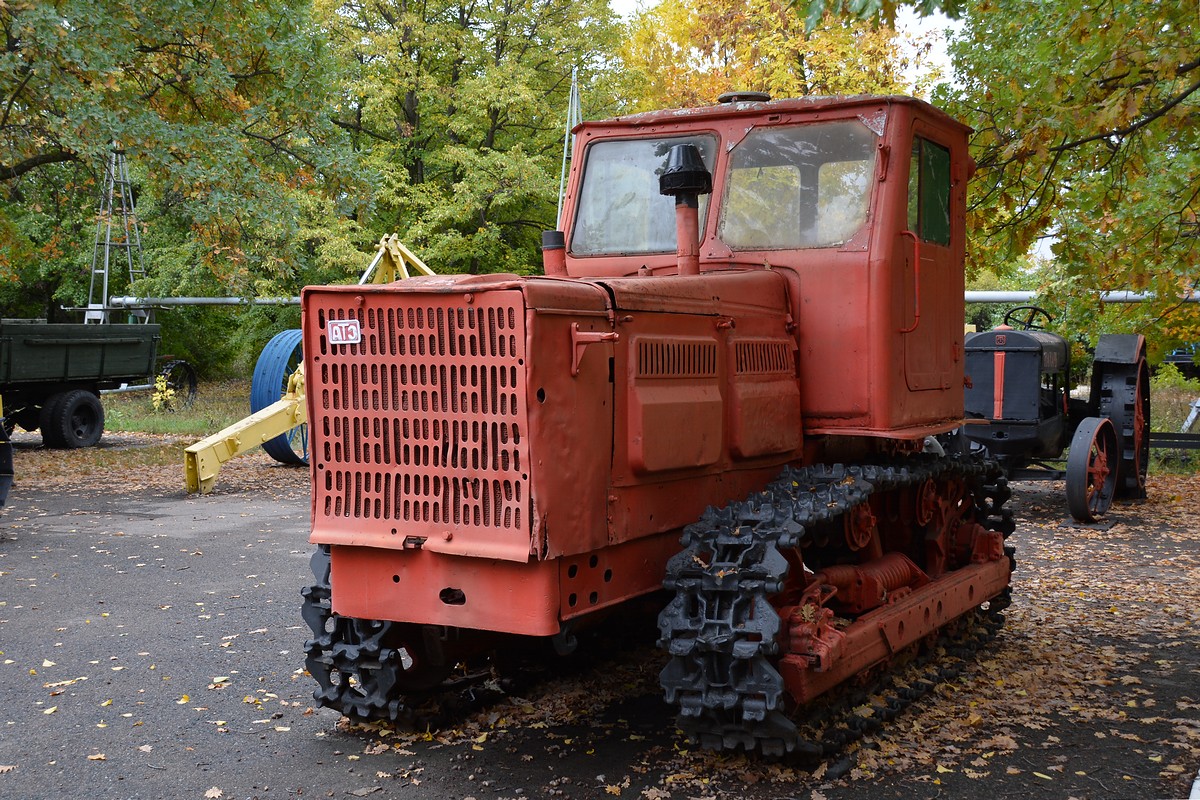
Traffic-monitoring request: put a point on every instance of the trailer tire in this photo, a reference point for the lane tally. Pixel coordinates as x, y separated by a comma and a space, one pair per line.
72, 420
45, 415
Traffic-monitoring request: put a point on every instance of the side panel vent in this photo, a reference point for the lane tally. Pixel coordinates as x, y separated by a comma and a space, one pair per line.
666, 358
764, 358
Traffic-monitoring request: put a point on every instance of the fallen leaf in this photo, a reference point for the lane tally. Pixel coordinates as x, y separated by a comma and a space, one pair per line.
146, 748
213, 793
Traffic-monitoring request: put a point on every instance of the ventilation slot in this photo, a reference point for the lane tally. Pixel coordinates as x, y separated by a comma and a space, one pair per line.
423, 423
669, 358
764, 358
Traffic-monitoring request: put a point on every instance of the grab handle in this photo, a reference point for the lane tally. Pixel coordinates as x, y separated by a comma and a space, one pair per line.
916, 281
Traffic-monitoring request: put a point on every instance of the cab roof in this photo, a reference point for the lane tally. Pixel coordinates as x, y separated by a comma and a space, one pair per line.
802, 105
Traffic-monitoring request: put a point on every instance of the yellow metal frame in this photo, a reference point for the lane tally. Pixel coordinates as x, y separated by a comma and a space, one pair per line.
392, 263
202, 461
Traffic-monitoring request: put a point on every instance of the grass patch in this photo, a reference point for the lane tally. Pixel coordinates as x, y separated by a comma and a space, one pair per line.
1171, 398
217, 406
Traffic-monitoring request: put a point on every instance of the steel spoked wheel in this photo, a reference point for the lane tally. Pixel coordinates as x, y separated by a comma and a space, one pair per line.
180, 385
278, 360
1125, 399
1092, 469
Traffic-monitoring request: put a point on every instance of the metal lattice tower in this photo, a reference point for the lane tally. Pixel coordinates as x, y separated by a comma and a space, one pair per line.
118, 242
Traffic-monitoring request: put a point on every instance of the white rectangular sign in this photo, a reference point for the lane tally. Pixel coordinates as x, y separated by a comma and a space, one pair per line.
344, 331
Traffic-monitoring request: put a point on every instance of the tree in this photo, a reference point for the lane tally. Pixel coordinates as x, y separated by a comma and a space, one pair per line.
688, 52
459, 107
220, 107
1088, 132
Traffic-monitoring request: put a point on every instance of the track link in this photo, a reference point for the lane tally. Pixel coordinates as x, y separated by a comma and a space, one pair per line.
721, 629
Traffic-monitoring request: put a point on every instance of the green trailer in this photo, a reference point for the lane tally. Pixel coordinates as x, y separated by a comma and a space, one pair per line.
51, 375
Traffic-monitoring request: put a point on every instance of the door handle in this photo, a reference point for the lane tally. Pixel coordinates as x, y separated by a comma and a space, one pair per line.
916, 281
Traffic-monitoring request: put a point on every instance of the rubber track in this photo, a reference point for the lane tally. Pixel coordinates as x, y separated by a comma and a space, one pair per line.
721, 629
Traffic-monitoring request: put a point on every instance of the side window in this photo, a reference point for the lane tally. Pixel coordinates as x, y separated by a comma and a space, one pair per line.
929, 191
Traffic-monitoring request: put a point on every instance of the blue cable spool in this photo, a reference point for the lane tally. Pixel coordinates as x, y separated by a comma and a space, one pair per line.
278, 360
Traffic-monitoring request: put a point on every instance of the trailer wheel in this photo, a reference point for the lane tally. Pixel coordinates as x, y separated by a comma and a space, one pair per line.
278, 360
1092, 469
72, 420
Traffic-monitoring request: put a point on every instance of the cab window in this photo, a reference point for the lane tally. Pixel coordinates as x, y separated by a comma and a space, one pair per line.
929, 192
798, 186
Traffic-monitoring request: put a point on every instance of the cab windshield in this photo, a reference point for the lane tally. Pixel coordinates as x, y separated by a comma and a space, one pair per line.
620, 210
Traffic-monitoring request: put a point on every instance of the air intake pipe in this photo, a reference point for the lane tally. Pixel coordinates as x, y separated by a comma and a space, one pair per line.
685, 179
554, 253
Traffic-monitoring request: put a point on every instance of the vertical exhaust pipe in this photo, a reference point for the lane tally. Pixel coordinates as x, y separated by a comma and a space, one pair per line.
685, 179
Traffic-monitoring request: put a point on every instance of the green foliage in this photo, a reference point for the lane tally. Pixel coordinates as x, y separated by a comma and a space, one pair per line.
458, 108
222, 110
1168, 376
875, 10
688, 52
1087, 131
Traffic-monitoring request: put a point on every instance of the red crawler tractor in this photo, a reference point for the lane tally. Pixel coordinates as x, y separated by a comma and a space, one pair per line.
749, 333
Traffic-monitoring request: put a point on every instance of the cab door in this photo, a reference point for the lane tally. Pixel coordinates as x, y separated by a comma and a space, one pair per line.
931, 326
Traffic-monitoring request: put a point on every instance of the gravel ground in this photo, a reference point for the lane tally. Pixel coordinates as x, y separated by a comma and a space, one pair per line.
151, 647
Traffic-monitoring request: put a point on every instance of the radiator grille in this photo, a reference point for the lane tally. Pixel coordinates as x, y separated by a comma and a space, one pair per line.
421, 426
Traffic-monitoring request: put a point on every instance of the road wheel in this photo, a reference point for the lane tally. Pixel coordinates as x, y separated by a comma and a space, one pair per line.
45, 420
72, 420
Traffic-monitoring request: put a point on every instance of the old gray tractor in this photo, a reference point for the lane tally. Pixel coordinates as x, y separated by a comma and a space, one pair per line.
1019, 407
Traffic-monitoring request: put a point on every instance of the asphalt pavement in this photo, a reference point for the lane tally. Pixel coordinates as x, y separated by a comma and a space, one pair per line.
151, 647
